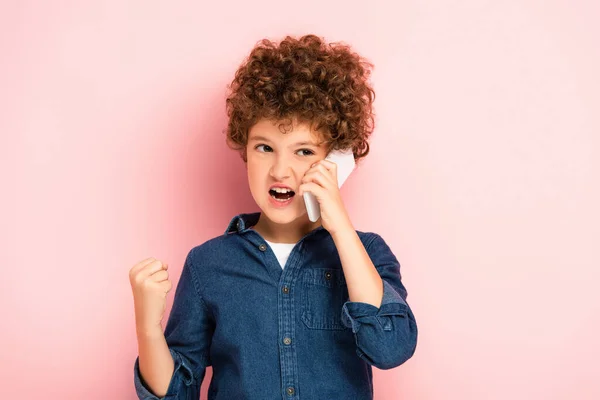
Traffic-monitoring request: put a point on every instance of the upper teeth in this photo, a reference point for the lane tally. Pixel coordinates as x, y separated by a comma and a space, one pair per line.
281, 190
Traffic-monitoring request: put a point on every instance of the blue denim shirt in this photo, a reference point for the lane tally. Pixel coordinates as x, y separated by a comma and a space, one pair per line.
281, 334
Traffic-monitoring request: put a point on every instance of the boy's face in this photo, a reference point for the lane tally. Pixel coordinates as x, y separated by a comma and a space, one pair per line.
278, 158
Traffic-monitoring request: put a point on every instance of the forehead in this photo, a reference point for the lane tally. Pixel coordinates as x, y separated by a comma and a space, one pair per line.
294, 131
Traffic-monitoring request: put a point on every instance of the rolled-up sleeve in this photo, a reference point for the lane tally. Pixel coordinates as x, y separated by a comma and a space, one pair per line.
386, 336
188, 334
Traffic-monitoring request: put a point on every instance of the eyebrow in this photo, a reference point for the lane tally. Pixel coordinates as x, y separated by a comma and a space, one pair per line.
303, 143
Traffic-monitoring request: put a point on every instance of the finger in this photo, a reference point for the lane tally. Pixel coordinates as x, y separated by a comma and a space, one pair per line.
313, 188
166, 285
320, 169
328, 164
142, 264
160, 276
320, 178
150, 269
330, 173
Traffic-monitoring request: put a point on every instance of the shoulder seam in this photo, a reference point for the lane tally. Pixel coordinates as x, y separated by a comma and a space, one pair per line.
368, 246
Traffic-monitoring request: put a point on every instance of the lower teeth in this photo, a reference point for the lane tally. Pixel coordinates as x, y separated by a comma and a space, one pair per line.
281, 200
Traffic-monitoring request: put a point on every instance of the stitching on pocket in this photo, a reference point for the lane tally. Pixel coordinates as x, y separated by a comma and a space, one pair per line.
323, 295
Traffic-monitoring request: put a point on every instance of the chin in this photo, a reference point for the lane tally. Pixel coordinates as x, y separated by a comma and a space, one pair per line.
283, 216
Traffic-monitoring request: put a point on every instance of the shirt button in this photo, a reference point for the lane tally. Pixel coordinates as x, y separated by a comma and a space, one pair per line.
327, 275
290, 391
262, 247
287, 340
285, 289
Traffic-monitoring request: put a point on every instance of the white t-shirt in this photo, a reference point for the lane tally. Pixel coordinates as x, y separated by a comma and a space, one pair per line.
282, 251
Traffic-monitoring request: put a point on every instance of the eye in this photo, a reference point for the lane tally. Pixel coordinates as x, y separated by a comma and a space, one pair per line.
266, 147
310, 152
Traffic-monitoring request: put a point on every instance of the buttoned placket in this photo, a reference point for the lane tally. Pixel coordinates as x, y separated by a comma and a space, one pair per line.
285, 314
286, 279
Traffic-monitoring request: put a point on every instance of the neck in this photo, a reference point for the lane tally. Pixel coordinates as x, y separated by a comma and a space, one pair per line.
285, 233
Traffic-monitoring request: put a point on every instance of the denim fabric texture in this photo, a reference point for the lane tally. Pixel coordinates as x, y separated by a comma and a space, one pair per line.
281, 334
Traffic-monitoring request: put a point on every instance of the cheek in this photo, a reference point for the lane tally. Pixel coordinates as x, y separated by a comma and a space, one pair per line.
256, 176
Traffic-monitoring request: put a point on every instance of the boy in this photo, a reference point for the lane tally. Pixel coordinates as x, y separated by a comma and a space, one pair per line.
281, 307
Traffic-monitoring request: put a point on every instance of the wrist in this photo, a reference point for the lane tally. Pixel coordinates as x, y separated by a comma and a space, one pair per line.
343, 231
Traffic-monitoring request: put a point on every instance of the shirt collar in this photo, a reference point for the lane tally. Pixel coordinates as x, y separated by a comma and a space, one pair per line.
243, 222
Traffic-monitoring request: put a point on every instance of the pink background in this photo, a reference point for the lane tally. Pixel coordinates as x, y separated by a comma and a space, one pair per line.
483, 178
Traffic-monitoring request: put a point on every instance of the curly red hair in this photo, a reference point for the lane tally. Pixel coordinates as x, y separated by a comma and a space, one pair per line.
308, 81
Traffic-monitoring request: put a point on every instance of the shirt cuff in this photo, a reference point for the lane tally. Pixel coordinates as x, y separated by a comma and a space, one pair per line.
355, 313
182, 373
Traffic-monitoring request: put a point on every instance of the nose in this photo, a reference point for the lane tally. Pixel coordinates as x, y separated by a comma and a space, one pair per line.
281, 168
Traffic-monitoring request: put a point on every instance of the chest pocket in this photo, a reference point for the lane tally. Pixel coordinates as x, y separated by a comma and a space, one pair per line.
324, 292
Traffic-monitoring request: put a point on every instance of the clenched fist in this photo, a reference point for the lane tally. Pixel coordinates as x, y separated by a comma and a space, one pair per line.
150, 284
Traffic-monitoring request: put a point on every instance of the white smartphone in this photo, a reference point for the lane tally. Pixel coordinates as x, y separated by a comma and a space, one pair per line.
345, 165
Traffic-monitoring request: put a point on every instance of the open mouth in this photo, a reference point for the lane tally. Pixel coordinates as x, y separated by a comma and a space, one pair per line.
282, 194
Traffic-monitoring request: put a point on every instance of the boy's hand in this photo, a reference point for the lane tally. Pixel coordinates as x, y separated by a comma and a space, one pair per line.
321, 180
150, 284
